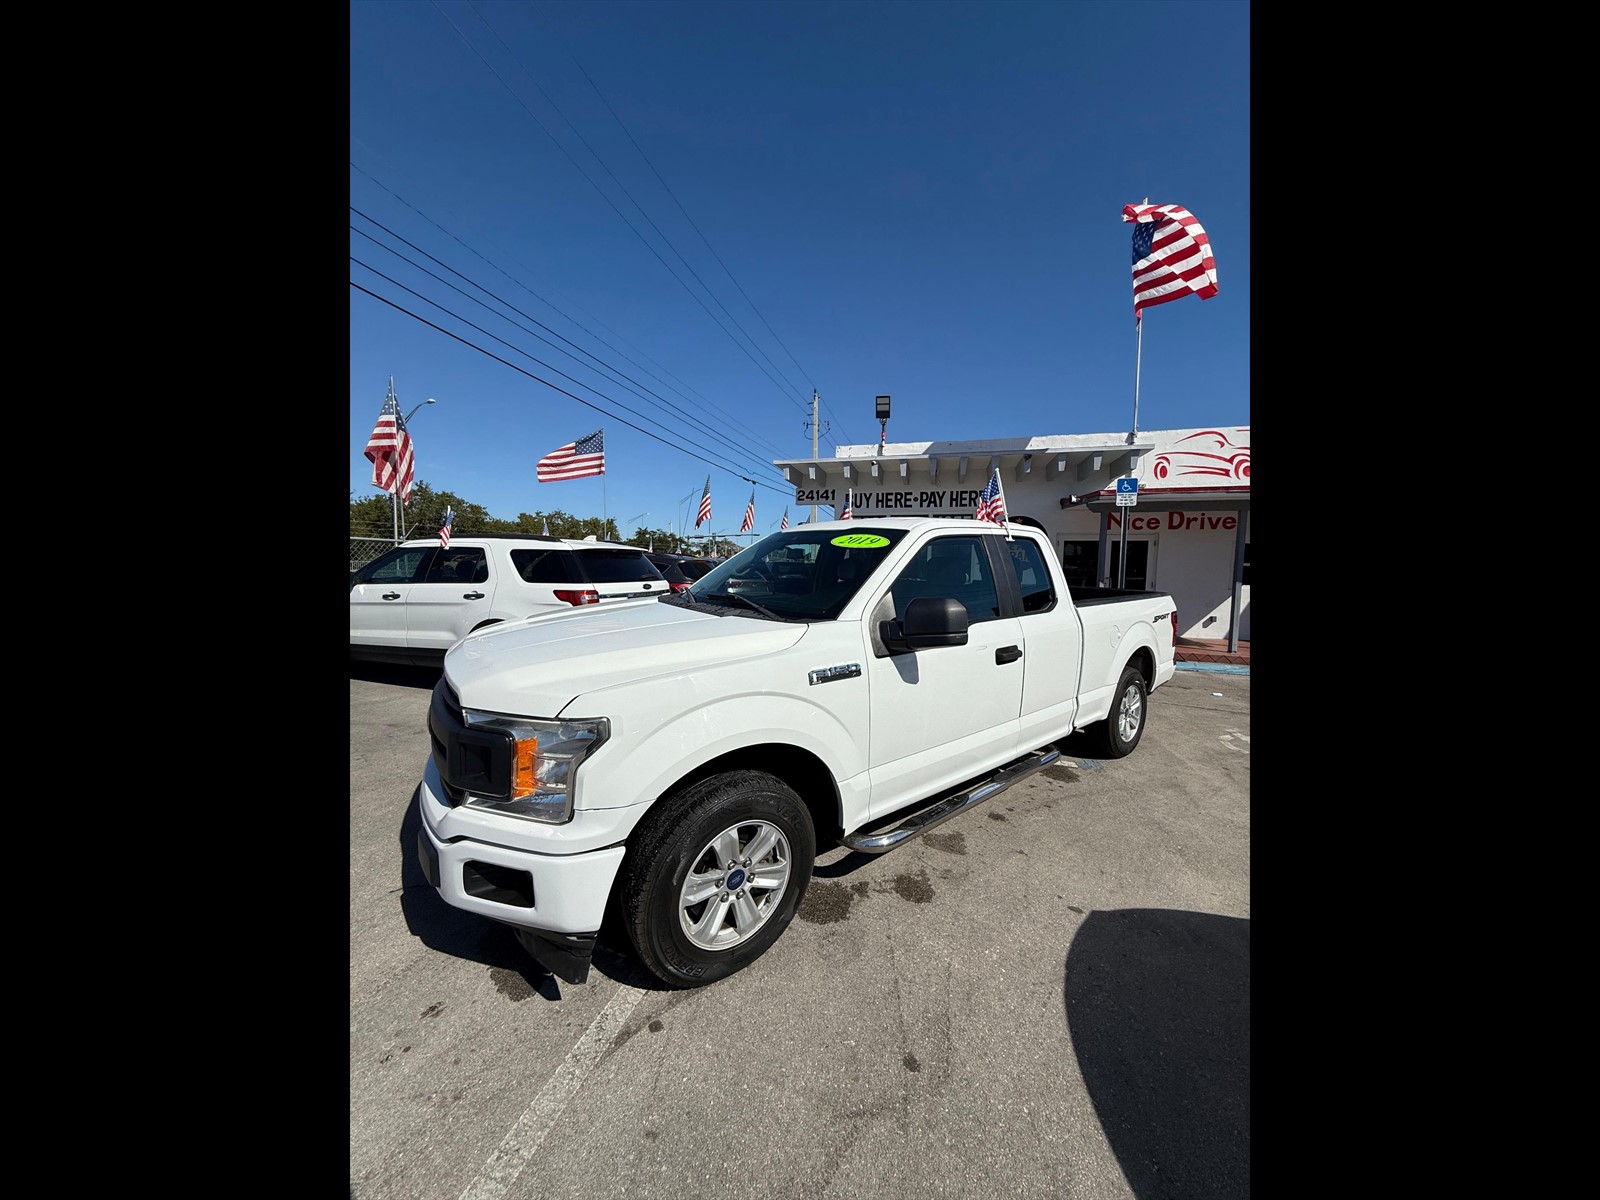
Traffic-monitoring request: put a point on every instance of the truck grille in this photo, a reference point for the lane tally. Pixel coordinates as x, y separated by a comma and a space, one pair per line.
467, 759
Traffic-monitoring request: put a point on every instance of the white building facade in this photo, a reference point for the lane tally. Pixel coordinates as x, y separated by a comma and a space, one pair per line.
1187, 533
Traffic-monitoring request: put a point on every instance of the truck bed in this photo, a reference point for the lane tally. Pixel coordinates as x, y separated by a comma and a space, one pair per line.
1099, 595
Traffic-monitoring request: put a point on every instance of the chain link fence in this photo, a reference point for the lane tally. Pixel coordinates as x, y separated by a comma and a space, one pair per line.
364, 549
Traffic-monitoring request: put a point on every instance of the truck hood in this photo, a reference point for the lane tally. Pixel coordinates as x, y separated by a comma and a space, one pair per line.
536, 667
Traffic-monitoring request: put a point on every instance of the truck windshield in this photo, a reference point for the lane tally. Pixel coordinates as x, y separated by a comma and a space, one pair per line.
796, 575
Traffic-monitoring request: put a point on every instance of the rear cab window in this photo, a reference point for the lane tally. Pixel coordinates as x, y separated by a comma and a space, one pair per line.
1035, 588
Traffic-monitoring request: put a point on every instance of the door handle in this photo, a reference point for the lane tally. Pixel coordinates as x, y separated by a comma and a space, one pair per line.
472, 595
391, 595
1007, 654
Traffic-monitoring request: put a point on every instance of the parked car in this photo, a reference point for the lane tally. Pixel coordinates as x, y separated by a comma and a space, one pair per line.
671, 568
414, 602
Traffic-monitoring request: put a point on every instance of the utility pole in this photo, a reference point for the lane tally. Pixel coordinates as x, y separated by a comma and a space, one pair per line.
815, 426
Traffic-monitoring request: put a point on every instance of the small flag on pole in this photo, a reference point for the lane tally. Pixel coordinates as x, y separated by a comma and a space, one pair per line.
785, 524
705, 505
992, 500
749, 522
1171, 256
586, 456
847, 514
389, 448
444, 530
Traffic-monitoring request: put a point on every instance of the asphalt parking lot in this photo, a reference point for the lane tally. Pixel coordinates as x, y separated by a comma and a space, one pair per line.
1046, 996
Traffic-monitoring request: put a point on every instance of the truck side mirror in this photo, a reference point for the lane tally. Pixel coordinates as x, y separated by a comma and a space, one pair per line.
928, 622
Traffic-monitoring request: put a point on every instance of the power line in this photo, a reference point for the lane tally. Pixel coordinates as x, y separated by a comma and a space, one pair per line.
643, 240
538, 379
517, 349
686, 217
596, 155
622, 379
758, 438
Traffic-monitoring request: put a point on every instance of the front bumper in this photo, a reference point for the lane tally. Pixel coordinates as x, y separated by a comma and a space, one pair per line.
554, 902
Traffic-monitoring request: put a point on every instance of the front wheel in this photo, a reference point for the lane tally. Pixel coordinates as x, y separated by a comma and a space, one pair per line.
1120, 732
714, 876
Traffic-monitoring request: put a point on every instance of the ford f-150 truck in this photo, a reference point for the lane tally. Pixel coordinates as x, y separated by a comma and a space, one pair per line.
678, 762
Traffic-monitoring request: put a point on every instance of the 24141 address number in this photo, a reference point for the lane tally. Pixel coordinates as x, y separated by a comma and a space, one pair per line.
815, 495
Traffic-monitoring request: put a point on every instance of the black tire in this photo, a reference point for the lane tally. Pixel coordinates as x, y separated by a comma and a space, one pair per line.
1119, 733
692, 944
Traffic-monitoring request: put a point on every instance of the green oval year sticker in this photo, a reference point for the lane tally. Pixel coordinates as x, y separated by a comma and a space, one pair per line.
861, 540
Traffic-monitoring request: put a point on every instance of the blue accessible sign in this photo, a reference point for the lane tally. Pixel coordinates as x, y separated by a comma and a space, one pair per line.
1127, 493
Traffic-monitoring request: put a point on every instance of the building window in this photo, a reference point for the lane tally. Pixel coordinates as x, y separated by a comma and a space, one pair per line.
1078, 562
1138, 564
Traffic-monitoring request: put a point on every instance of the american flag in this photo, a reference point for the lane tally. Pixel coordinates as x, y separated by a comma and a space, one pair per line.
389, 448
444, 530
785, 524
705, 505
992, 501
586, 456
846, 514
1171, 256
749, 521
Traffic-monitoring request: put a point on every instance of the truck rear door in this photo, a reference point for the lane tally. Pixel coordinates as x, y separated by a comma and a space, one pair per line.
1052, 634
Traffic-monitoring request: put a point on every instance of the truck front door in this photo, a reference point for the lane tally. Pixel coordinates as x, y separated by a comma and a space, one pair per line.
942, 716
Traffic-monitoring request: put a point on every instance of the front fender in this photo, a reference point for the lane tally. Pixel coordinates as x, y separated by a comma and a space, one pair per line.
652, 746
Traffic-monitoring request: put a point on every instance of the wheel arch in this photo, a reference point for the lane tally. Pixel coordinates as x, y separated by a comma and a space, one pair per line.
796, 766
1144, 661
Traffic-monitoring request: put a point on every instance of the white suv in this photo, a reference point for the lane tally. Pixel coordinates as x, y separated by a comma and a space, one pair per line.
414, 602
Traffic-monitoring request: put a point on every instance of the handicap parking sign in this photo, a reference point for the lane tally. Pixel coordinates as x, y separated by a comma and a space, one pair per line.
1127, 493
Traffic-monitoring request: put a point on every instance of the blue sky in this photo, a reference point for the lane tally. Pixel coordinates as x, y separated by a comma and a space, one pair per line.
914, 199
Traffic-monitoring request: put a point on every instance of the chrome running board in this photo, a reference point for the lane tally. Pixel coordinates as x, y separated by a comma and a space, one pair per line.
951, 806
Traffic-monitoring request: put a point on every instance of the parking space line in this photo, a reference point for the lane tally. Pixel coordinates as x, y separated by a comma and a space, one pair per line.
497, 1175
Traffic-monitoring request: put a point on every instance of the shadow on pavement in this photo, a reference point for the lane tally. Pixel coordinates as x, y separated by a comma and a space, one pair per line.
478, 939
1158, 1008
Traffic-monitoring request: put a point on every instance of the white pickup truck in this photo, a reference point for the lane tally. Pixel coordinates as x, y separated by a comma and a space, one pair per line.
678, 761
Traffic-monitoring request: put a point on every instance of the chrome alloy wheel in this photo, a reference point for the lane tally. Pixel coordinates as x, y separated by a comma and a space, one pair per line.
734, 885
1130, 712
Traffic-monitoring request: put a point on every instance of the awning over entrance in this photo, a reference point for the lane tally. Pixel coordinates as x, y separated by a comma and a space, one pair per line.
1177, 499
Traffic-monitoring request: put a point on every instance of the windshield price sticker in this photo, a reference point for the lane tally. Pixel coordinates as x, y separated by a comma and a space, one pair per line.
861, 541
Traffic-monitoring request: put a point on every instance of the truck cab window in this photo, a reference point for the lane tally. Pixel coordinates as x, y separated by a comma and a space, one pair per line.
957, 567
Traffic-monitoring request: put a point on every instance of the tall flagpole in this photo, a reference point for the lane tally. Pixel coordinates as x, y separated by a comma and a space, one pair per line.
1138, 362
394, 495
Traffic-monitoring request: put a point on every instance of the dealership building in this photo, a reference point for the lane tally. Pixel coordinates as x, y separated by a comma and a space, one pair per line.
1186, 527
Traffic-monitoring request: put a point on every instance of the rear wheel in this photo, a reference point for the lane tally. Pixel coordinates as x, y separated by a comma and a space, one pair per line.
714, 876
1120, 732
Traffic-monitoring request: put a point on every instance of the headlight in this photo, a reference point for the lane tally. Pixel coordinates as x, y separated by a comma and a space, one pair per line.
544, 762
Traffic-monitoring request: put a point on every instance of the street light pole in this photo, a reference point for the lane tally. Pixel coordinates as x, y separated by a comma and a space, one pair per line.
682, 517
394, 496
